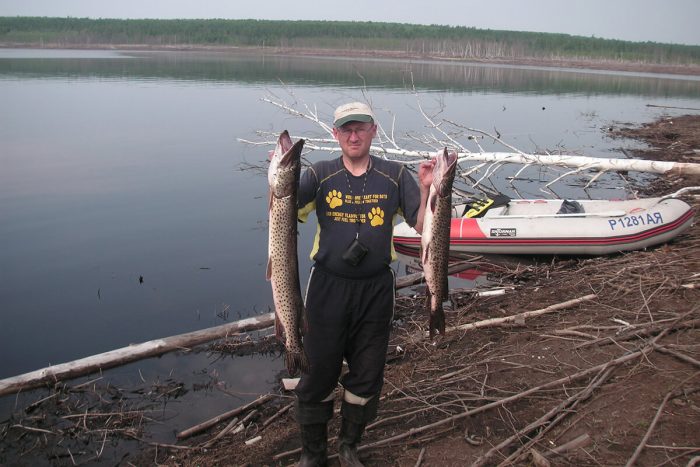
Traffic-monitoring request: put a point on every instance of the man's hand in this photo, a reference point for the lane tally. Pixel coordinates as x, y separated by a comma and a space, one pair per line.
425, 179
425, 174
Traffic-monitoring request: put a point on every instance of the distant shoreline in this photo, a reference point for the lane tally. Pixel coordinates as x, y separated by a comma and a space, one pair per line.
589, 64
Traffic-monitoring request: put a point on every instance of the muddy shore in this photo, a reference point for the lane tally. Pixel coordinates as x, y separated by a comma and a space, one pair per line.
591, 64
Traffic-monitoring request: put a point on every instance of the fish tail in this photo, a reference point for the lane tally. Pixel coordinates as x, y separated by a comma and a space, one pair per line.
296, 361
304, 321
437, 317
428, 309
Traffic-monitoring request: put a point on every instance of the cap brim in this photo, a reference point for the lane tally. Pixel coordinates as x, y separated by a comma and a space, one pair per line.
353, 118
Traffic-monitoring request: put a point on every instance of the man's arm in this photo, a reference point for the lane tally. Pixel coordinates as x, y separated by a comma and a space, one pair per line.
306, 196
425, 179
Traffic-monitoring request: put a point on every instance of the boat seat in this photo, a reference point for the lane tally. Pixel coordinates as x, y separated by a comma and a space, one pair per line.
528, 207
543, 207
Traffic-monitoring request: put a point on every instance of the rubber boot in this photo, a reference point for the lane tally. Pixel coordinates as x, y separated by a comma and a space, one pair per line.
314, 444
313, 422
349, 438
355, 419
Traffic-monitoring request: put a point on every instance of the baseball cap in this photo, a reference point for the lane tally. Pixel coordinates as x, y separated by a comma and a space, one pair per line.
352, 112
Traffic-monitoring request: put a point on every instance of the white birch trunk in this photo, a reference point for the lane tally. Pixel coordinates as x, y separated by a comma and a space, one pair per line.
564, 160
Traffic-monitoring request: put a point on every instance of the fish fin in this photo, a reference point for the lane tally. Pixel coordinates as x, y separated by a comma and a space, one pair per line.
433, 202
296, 361
424, 252
279, 328
268, 272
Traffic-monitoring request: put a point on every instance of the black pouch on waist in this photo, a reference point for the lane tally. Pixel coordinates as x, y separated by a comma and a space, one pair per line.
355, 252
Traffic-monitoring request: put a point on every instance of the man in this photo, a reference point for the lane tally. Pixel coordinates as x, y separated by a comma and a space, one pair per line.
350, 294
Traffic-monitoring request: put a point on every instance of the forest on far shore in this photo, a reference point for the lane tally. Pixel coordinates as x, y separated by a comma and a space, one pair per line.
427, 40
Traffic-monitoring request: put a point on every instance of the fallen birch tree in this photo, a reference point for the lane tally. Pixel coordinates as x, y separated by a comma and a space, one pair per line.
564, 160
475, 167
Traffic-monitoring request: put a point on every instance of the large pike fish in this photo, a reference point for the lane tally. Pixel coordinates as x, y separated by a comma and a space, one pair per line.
435, 240
282, 261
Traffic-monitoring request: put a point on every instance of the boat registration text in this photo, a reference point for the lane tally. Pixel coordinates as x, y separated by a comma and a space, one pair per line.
652, 218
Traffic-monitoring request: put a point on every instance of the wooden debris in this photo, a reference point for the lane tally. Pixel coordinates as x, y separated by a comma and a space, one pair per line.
537, 459
642, 443
223, 432
253, 440
521, 316
278, 414
418, 277
576, 443
224, 416
550, 419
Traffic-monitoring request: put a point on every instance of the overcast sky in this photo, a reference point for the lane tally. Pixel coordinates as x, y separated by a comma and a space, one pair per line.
674, 21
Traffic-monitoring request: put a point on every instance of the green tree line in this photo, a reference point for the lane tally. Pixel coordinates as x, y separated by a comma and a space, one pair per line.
433, 40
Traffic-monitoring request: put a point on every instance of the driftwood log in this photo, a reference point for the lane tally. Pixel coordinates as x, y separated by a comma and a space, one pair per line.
129, 354
520, 317
224, 416
157, 347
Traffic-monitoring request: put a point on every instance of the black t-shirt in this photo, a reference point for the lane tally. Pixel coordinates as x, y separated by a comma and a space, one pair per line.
340, 199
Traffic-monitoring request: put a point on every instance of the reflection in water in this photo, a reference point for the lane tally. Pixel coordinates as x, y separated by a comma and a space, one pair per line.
320, 71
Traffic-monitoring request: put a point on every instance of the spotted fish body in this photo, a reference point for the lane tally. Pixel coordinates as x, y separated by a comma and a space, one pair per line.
435, 240
282, 262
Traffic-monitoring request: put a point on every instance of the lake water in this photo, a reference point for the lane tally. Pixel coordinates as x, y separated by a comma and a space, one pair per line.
116, 166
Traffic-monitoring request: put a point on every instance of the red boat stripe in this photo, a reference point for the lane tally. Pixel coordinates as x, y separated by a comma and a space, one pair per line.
467, 227
580, 241
477, 237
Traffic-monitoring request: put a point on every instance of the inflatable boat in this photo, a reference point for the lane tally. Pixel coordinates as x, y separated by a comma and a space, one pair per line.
548, 227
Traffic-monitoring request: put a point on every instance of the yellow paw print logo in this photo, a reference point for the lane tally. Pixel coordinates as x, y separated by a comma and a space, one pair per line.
334, 199
376, 217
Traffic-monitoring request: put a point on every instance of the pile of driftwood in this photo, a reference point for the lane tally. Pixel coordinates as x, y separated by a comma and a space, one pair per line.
487, 162
85, 423
550, 378
553, 383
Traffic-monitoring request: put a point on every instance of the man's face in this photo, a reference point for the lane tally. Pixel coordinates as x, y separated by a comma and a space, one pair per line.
355, 138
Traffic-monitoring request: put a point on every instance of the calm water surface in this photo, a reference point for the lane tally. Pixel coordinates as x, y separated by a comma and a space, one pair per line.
116, 166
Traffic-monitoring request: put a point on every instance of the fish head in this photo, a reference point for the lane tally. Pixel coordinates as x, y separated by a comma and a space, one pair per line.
284, 143
285, 165
444, 172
